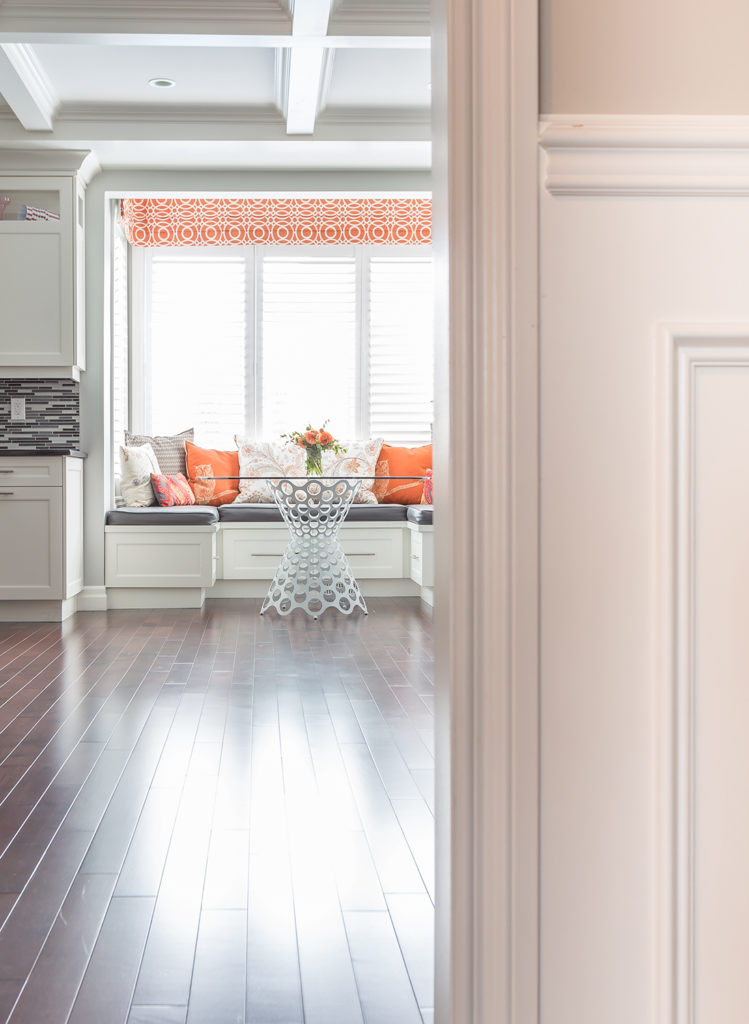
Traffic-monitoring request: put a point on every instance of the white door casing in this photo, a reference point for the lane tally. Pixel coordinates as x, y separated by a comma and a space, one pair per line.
484, 91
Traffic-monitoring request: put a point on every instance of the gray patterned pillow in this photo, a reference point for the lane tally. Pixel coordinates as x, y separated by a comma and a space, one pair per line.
169, 451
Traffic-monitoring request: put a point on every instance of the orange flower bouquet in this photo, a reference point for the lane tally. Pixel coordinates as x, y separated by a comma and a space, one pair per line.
315, 442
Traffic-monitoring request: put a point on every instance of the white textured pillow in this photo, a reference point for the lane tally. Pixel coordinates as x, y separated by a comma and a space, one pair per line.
265, 458
136, 465
360, 459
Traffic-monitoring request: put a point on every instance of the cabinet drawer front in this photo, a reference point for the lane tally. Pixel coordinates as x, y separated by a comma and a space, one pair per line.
29, 471
31, 543
422, 558
253, 553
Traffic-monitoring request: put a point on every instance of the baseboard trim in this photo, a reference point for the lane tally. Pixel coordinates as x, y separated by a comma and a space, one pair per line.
93, 599
155, 597
37, 611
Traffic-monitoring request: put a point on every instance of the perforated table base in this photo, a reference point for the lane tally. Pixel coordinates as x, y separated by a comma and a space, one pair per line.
314, 573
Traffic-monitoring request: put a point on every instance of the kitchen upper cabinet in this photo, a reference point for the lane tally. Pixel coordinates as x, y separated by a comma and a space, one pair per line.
42, 265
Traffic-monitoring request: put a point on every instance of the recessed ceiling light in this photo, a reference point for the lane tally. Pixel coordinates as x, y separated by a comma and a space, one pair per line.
162, 83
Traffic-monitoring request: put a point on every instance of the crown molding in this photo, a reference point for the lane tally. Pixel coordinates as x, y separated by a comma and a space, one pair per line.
85, 125
657, 156
379, 17
143, 16
419, 117
43, 162
96, 113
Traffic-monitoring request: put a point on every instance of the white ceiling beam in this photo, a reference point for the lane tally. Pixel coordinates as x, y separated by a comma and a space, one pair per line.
25, 87
307, 66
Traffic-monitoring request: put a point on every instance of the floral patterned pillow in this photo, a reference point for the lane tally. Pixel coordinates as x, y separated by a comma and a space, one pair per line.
172, 490
360, 459
265, 458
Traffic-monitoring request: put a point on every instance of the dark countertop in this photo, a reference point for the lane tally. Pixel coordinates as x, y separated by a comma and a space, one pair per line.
74, 453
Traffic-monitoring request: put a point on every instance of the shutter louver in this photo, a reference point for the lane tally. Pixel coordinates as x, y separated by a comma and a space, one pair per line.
401, 349
308, 344
197, 345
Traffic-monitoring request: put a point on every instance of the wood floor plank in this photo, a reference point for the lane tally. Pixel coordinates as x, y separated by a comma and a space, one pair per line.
418, 827
328, 982
413, 919
384, 986
112, 839
393, 859
107, 987
217, 993
52, 986
170, 950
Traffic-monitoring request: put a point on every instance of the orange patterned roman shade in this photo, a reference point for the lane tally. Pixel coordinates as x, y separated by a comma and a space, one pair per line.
221, 221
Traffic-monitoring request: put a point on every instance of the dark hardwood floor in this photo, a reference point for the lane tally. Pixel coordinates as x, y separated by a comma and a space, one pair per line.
206, 816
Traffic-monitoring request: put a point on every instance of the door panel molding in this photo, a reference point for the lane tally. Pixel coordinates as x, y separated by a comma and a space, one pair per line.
685, 352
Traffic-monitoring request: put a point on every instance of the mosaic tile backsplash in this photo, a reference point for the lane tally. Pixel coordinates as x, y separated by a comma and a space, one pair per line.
53, 417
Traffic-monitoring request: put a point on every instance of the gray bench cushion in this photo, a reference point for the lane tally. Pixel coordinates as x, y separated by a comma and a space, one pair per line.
247, 513
155, 515
421, 514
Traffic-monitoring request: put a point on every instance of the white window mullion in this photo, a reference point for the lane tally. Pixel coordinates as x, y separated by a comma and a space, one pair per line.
140, 365
251, 345
362, 348
257, 277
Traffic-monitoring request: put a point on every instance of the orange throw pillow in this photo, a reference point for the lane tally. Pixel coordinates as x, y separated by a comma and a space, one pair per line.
210, 463
402, 462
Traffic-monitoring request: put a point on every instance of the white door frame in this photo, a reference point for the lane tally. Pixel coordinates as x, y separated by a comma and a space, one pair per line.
485, 97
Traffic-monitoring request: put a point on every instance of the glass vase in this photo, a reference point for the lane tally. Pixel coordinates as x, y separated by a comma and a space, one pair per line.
314, 461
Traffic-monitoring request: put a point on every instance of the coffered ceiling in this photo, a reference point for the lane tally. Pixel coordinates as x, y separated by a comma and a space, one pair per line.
257, 83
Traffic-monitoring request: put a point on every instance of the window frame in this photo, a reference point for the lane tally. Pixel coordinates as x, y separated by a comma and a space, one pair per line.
140, 340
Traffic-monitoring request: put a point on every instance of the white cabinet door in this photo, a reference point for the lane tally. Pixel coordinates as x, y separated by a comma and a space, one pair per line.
35, 312
31, 543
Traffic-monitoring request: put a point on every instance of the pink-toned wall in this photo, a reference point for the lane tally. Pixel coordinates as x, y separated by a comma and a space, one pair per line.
644, 57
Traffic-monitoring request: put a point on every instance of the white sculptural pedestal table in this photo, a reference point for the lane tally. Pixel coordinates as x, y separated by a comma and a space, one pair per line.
314, 573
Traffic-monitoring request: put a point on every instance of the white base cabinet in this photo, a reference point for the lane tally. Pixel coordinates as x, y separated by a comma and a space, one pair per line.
41, 535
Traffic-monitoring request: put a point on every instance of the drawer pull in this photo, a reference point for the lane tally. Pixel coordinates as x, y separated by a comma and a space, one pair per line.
6, 494
6, 470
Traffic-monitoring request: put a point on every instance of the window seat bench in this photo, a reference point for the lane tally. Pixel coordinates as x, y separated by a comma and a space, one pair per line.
176, 557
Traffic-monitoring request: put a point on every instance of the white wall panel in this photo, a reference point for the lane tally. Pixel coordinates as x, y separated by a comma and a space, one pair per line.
614, 269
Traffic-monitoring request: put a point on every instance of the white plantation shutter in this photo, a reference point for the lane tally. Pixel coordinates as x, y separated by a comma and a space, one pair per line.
197, 344
308, 336
308, 345
120, 343
401, 349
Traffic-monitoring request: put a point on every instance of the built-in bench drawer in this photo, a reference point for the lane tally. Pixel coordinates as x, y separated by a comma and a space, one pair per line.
136, 556
253, 551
